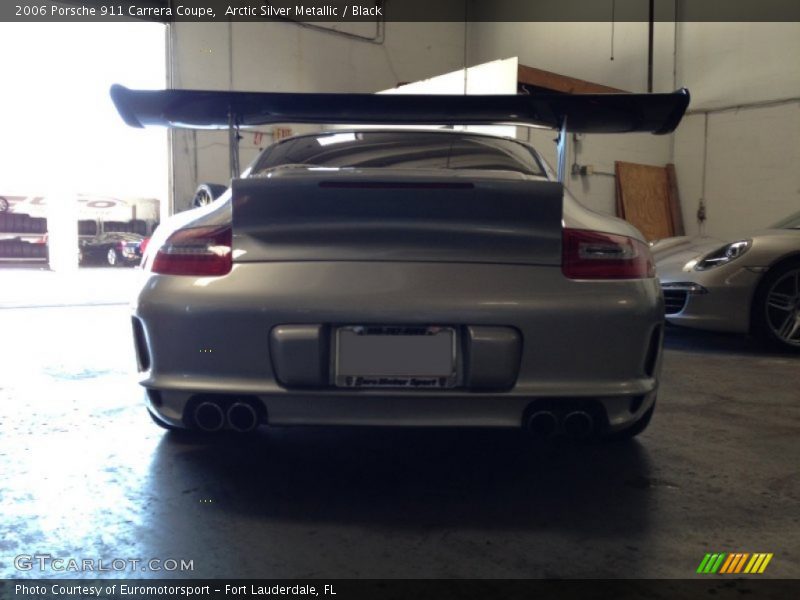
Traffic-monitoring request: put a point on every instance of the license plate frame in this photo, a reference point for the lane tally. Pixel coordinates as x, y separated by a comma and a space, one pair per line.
365, 356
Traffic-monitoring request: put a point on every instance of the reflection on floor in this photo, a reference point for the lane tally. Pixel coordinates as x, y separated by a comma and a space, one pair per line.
86, 475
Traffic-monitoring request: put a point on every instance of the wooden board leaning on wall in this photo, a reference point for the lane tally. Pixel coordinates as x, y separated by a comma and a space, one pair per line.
647, 197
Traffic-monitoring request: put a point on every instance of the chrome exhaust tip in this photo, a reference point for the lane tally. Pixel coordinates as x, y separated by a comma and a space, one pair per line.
242, 417
543, 424
578, 424
209, 416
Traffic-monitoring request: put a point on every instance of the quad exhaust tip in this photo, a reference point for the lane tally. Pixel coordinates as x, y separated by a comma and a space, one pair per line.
543, 424
242, 417
578, 424
209, 416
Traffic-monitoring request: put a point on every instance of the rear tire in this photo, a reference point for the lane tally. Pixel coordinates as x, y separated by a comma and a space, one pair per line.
635, 429
776, 307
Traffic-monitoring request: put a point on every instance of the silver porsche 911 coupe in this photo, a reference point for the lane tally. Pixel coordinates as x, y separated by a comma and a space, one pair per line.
747, 285
400, 277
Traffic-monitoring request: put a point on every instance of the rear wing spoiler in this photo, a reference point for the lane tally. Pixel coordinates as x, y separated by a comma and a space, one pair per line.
580, 113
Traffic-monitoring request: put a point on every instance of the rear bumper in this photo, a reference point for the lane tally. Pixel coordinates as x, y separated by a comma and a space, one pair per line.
380, 409
580, 341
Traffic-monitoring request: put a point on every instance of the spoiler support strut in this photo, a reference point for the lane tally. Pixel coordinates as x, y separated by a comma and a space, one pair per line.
561, 150
233, 142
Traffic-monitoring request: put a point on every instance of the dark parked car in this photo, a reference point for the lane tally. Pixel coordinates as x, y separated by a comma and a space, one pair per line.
113, 249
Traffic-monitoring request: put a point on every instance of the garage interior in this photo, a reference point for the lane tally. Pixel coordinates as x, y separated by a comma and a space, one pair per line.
86, 474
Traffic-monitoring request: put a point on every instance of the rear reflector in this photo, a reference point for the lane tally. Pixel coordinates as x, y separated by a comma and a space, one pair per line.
594, 255
196, 251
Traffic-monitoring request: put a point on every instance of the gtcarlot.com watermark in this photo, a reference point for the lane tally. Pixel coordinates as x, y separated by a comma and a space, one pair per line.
50, 563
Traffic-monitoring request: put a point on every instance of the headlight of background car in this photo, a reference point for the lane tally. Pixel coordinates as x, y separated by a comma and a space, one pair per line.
723, 255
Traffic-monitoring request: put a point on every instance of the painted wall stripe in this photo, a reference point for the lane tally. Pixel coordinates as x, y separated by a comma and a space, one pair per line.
752, 563
703, 563
711, 563
717, 563
735, 562
757, 565
740, 565
764, 564
727, 564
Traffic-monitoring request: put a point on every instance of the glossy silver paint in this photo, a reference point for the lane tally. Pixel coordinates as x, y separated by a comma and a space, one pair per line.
725, 300
264, 330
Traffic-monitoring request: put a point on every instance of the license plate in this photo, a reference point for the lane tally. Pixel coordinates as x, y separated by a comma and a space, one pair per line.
395, 357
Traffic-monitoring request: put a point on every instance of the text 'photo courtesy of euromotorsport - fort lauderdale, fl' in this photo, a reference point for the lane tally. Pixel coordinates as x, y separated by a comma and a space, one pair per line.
173, 589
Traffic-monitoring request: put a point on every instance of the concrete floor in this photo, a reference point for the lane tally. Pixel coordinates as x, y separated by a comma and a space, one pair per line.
86, 475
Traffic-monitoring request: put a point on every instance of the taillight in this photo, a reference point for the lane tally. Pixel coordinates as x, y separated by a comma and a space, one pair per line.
196, 251
143, 244
594, 255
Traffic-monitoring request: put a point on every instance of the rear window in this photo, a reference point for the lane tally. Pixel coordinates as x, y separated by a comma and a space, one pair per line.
400, 150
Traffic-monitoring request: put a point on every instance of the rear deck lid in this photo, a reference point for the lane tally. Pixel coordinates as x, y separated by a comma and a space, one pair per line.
378, 215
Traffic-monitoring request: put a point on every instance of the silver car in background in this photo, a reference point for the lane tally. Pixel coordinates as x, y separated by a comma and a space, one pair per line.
750, 284
398, 277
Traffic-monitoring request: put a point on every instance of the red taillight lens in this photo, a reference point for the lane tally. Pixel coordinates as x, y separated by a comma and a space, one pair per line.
143, 245
196, 251
594, 255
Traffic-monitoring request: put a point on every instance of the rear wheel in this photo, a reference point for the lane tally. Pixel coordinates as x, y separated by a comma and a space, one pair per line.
776, 307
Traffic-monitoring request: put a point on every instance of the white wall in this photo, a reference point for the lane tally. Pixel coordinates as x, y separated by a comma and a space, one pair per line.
496, 77
752, 175
583, 50
277, 56
726, 64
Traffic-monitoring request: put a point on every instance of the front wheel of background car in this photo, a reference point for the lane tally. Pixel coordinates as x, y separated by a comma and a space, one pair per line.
206, 193
776, 307
4, 204
112, 259
635, 429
